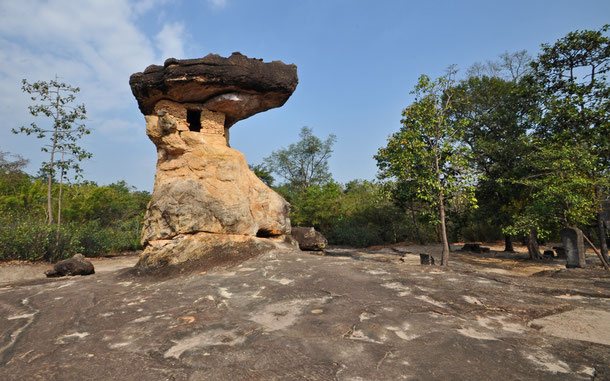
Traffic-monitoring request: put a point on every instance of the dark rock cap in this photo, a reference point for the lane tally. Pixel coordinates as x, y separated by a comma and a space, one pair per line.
237, 86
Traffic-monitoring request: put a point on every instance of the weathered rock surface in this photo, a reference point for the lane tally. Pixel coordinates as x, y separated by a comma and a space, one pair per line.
204, 188
203, 246
289, 315
238, 86
309, 239
77, 265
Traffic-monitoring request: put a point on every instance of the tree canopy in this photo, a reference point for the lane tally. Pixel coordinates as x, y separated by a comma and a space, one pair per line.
428, 153
304, 163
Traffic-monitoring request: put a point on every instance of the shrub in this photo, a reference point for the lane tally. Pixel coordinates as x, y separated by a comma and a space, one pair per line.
27, 237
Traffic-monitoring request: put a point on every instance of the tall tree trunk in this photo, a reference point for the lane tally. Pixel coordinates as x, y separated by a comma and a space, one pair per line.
61, 184
445, 254
416, 225
532, 245
603, 246
441, 210
51, 162
508, 243
50, 184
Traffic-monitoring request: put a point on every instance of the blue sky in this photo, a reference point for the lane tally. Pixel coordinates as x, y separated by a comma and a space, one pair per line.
357, 62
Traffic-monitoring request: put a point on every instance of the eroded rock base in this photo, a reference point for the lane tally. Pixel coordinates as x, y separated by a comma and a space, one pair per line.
216, 248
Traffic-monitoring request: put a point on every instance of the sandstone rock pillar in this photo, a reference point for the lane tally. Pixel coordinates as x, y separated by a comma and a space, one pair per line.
206, 202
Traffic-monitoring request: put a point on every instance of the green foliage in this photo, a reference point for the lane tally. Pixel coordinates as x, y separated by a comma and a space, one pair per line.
571, 77
98, 219
495, 114
28, 237
567, 172
263, 173
55, 102
561, 188
105, 204
366, 218
356, 214
428, 154
317, 206
304, 163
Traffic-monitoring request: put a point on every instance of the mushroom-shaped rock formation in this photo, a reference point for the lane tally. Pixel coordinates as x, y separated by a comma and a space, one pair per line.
206, 202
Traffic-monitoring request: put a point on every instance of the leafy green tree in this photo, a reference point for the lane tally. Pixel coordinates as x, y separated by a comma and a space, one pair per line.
12, 174
317, 206
304, 163
366, 217
428, 152
495, 114
403, 195
571, 79
561, 191
55, 102
17, 190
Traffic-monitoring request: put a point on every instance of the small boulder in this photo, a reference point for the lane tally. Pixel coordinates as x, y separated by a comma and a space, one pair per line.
77, 265
309, 239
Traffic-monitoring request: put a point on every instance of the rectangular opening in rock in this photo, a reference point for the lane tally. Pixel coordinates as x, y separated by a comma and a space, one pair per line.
193, 118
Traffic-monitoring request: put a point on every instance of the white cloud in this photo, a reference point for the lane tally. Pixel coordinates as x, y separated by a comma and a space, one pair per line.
94, 44
170, 41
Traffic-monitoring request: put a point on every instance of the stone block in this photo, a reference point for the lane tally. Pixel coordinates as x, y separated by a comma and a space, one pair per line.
573, 244
426, 259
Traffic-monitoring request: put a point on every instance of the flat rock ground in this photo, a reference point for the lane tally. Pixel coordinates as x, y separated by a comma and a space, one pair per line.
289, 315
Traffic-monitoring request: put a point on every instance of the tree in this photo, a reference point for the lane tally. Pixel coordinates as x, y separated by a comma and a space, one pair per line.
560, 189
495, 114
317, 206
428, 152
305, 162
571, 79
55, 102
263, 173
17, 191
511, 67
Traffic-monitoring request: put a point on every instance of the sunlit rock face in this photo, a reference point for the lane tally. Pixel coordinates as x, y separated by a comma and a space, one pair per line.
206, 201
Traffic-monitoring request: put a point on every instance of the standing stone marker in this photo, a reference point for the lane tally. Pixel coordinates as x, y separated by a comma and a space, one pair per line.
206, 202
574, 247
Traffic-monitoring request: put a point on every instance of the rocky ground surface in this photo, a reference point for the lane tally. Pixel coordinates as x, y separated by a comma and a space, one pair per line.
290, 315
